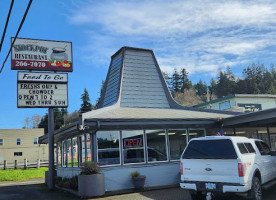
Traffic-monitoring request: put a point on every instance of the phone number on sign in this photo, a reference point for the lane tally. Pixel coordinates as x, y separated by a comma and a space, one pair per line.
29, 64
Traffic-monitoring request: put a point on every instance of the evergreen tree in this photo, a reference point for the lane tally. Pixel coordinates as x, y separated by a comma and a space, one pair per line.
250, 74
184, 81
226, 83
201, 89
175, 82
212, 89
86, 105
44, 123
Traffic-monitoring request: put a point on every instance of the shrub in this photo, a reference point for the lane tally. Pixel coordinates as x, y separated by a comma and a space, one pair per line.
74, 183
88, 168
135, 174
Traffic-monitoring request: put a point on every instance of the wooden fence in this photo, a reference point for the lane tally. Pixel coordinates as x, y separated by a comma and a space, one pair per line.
24, 165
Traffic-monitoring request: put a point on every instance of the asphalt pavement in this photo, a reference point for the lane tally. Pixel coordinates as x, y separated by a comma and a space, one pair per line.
36, 189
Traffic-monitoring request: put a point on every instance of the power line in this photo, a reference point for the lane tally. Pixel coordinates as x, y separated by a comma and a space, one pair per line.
6, 25
20, 26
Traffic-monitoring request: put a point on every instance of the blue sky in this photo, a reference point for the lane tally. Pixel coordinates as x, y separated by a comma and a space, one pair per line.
201, 36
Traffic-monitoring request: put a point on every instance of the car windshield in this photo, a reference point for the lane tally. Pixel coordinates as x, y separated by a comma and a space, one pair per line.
210, 149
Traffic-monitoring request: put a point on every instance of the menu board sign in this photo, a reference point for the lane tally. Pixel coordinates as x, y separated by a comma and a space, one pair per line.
41, 55
34, 92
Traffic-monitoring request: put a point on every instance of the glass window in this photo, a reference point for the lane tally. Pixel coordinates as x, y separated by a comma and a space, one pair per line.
17, 154
1, 142
178, 142
156, 145
133, 146
249, 148
272, 132
89, 152
83, 148
18, 141
224, 105
263, 148
69, 153
242, 148
195, 133
210, 149
64, 162
227, 131
35, 141
108, 147
75, 152
59, 155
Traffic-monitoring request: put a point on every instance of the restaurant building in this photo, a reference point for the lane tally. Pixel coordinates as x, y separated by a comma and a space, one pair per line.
138, 126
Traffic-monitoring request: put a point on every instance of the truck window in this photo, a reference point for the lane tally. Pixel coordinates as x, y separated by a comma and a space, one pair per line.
263, 148
246, 148
210, 149
249, 147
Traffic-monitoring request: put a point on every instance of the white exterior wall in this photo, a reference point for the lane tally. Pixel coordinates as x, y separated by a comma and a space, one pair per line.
118, 178
266, 102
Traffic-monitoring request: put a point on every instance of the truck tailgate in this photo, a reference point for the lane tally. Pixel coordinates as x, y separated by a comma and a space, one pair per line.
210, 170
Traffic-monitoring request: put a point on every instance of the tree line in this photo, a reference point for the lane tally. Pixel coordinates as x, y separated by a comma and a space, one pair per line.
256, 79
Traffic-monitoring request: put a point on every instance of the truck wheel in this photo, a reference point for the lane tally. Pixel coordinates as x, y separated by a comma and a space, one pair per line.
256, 189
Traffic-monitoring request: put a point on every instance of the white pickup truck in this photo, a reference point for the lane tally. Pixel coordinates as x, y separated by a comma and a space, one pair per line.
221, 164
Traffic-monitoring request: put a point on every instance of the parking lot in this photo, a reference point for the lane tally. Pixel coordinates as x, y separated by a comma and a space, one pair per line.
36, 189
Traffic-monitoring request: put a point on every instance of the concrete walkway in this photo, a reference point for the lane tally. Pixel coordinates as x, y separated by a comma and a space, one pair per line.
36, 189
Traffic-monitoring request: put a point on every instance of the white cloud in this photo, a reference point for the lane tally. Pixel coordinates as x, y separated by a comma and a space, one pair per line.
201, 36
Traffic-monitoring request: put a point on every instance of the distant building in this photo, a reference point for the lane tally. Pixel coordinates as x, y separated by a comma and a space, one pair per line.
20, 144
241, 103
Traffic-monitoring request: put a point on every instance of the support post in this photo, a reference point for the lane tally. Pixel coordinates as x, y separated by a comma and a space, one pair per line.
25, 163
38, 164
51, 183
15, 164
5, 164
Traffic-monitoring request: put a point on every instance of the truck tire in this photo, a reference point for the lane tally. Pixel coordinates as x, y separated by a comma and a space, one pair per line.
256, 189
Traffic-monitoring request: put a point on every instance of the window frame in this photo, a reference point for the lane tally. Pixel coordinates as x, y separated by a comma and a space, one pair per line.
166, 144
144, 148
1, 142
222, 105
35, 140
18, 141
119, 147
19, 153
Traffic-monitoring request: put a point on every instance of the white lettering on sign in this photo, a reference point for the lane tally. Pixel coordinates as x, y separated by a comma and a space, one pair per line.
42, 77
37, 95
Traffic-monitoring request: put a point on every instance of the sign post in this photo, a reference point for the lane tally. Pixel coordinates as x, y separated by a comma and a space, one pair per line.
40, 89
51, 183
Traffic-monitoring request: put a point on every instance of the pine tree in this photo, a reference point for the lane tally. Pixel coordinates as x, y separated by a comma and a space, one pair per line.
201, 89
185, 83
175, 82
86, 105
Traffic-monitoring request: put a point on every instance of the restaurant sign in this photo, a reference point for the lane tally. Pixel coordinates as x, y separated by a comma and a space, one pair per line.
41, 55
34, 92
250, 107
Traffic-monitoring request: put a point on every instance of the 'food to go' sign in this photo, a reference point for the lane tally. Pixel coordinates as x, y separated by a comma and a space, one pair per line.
41, 55
42, 90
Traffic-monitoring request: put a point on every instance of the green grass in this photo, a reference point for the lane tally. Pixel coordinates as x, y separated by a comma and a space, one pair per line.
22, 174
